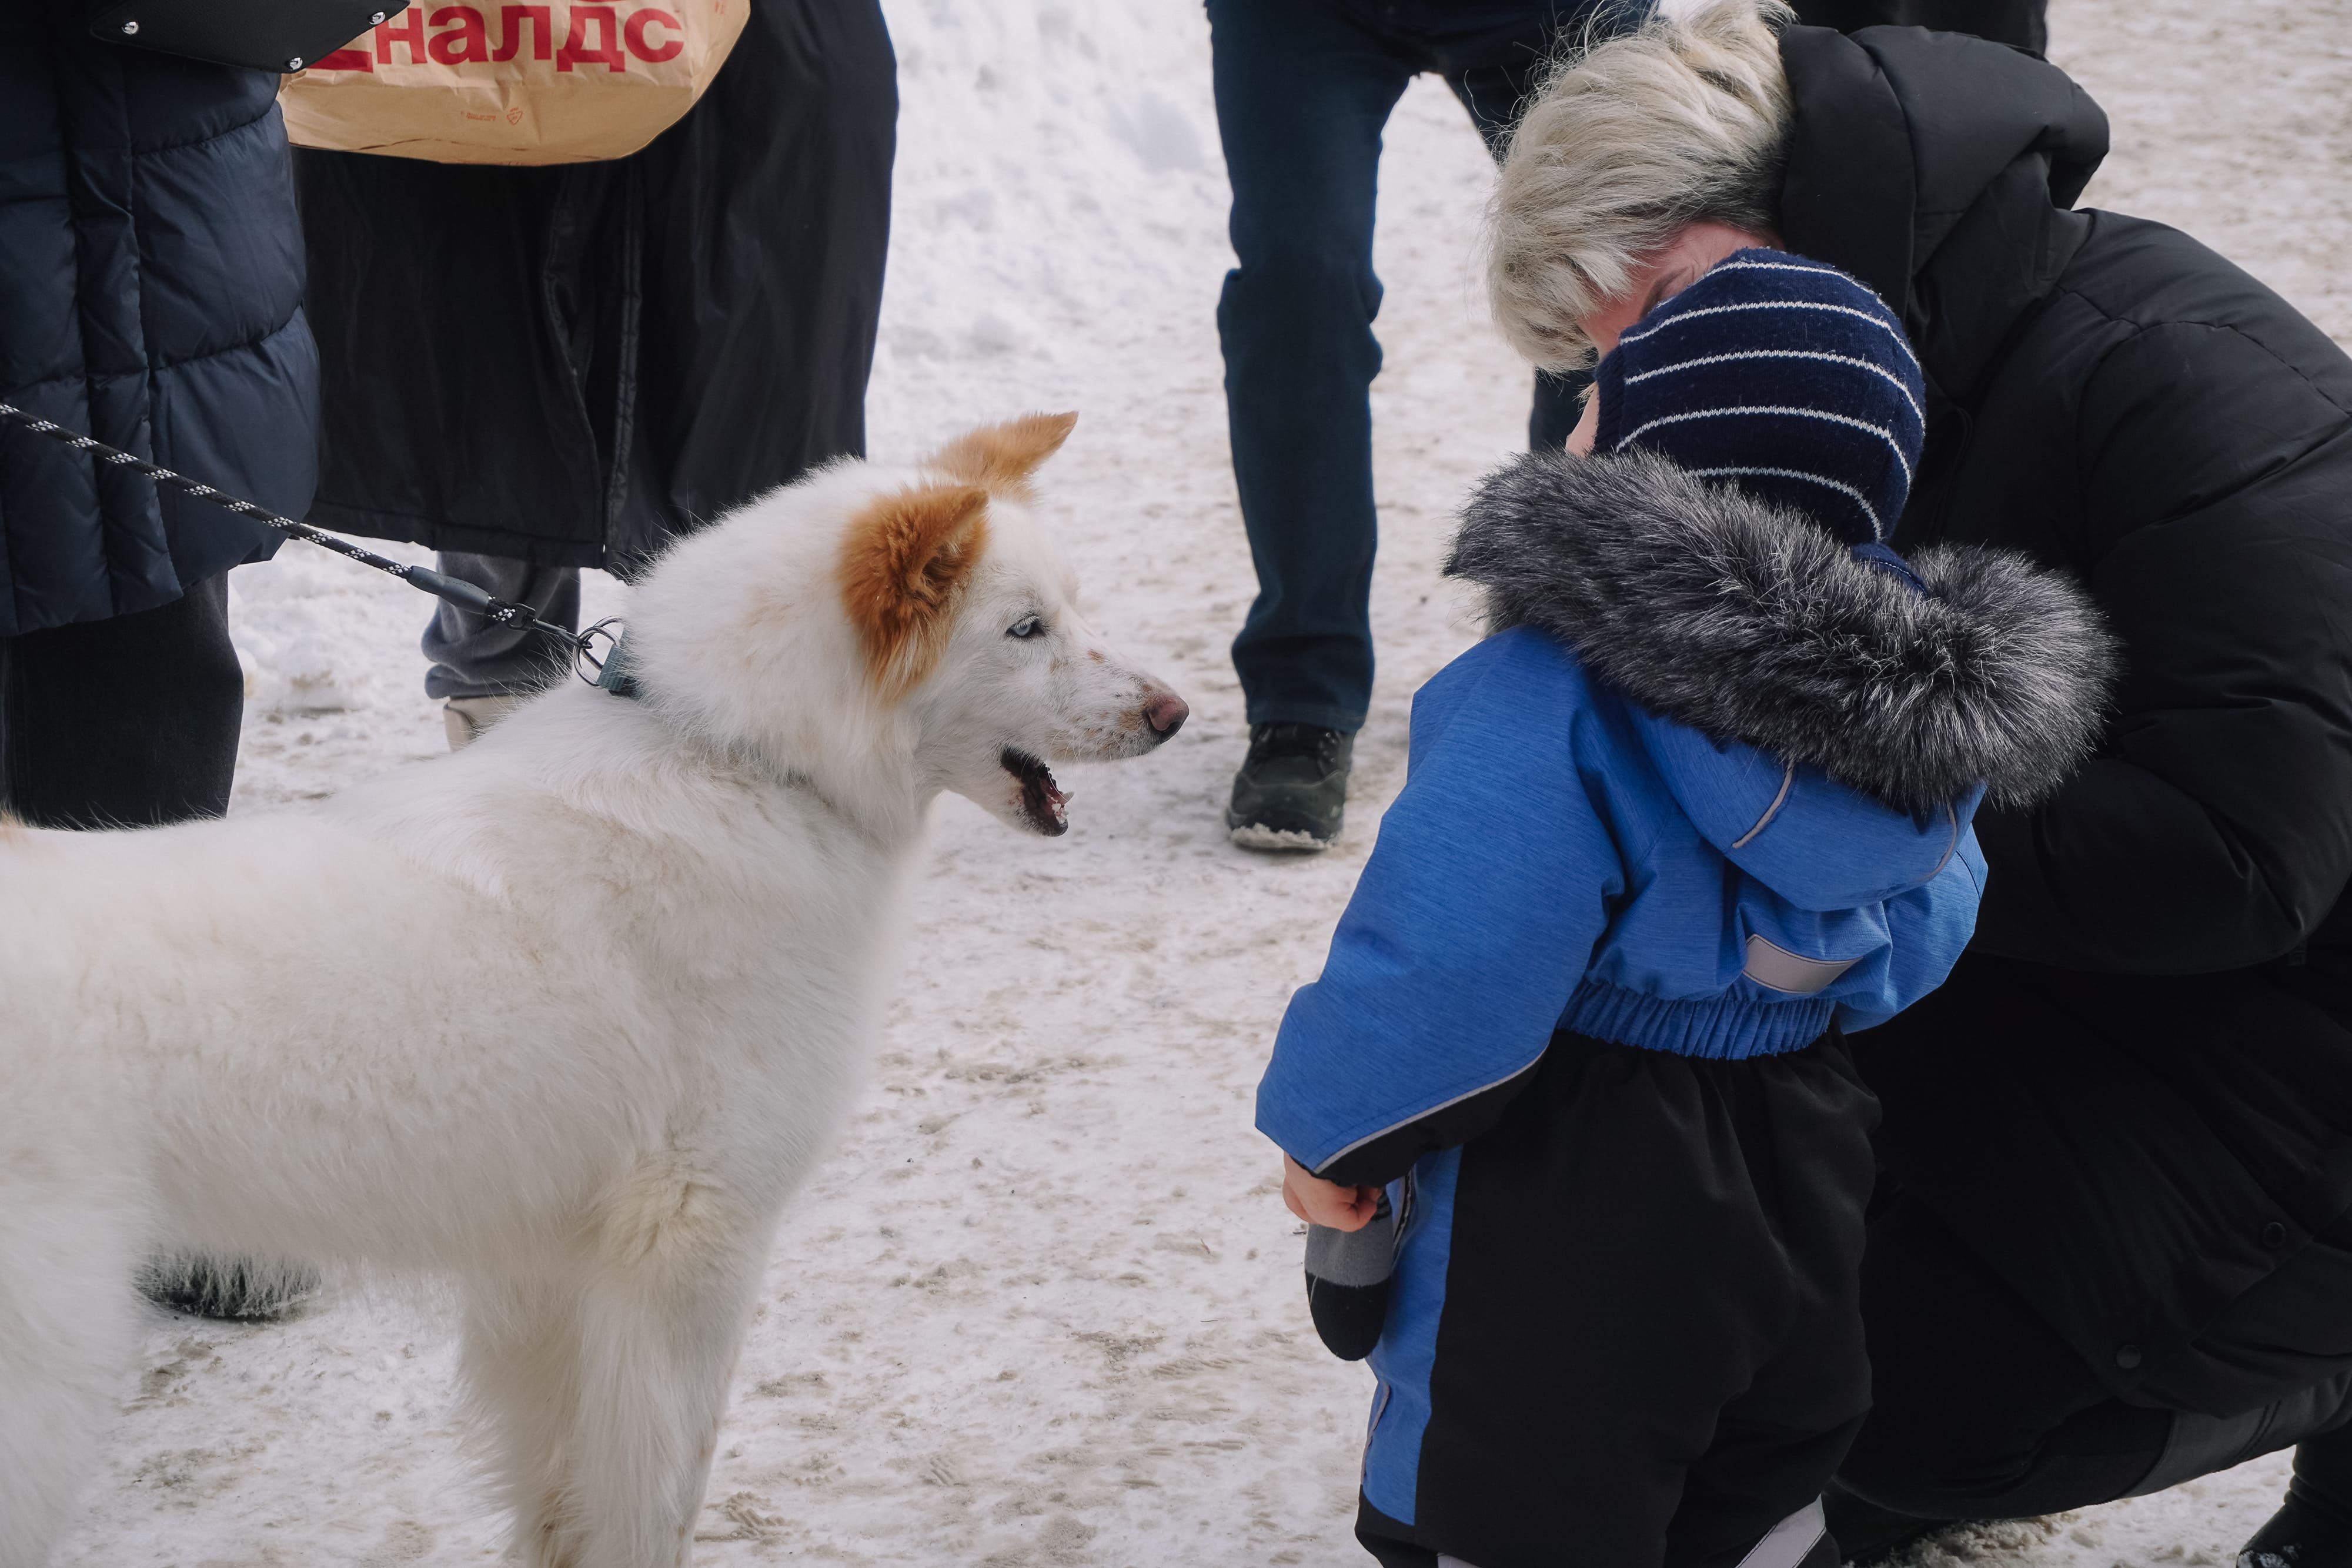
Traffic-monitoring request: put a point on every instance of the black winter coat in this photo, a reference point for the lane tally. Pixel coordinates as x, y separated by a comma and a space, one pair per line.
2135, 1100
150, 295
570, 364
2025, 23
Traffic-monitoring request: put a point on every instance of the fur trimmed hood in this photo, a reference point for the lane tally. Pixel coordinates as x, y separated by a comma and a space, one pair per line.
1746, 621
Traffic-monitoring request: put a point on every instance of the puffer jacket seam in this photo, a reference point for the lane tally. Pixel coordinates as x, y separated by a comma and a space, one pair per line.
136, 249
246, 345
155, 368
2140, 329
76, 166
2236, 847
2298, 928
239, 128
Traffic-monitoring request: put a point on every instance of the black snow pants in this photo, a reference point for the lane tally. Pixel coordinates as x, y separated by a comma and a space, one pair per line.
1625, 1329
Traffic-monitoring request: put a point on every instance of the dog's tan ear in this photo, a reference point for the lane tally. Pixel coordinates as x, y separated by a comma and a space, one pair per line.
904, 562
1000, 458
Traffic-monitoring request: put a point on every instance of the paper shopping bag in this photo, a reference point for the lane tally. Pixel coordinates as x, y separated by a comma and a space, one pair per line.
488, 82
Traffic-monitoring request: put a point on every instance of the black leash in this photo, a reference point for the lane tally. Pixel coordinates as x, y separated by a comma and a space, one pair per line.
610, 665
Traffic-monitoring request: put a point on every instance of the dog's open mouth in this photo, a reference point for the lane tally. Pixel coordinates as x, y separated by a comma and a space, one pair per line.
1041, 799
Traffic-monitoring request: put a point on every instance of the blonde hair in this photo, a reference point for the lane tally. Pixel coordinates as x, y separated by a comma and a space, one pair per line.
1681, 121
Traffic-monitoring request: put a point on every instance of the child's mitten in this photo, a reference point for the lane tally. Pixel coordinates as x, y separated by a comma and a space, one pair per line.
1347, 1281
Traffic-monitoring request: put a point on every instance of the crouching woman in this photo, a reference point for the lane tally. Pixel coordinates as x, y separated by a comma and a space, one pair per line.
2112, 1248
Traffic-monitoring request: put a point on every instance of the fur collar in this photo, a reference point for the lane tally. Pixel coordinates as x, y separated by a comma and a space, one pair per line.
1746, 621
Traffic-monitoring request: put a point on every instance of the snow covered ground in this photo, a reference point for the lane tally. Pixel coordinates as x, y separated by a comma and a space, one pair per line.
1043, 1305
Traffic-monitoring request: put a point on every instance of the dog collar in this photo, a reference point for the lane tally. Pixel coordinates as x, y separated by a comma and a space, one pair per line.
615, 672
618, 674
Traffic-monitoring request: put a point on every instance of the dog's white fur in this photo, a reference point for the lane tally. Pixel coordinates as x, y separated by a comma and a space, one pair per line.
564, 1017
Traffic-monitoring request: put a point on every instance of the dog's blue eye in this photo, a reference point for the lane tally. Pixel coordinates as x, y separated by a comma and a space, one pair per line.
1027, 626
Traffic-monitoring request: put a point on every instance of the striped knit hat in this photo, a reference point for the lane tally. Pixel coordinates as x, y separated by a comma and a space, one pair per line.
1784, 375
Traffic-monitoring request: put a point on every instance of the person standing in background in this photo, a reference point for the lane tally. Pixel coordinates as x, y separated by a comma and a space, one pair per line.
535, 370
1302, 89
151, 296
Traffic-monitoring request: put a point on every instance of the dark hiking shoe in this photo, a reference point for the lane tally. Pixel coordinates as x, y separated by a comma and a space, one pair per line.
239, 1292
2305, 1533
1292, 791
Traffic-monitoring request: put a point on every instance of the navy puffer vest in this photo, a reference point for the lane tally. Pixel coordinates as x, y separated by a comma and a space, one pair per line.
151, 294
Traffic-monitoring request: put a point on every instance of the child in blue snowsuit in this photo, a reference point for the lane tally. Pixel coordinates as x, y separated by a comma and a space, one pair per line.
1697, 807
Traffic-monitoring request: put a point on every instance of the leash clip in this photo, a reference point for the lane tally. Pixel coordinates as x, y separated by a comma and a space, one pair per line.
611, 670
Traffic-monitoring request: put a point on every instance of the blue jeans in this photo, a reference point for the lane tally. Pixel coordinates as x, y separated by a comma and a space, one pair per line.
1302, 89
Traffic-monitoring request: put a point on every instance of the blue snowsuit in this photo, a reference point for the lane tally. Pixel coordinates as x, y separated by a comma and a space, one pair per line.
1582, 1015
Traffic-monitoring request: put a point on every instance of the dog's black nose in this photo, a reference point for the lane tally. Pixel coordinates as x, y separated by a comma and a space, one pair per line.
1165, 714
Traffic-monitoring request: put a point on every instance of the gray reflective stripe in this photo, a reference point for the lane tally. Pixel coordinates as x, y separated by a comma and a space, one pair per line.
1951, 815
1785, 1544
1446, 1559
1776, 969
1788, 778
1417, 1116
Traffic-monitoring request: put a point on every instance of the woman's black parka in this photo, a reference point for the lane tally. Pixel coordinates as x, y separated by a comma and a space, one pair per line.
2134, 1098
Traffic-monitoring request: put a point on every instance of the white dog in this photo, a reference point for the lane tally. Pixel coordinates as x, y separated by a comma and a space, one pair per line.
565, 1016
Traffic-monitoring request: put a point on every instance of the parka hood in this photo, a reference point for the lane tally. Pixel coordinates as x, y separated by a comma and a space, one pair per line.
1940, 170
1746, 621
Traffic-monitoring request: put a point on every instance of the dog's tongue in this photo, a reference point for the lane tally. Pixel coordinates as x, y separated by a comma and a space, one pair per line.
1042, 797
1048, 802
